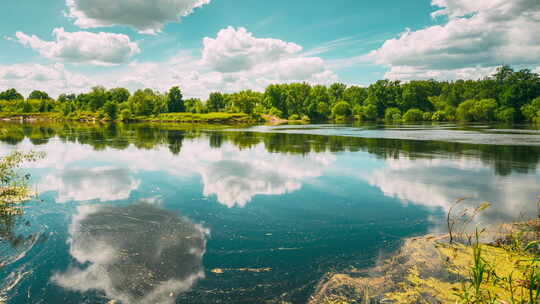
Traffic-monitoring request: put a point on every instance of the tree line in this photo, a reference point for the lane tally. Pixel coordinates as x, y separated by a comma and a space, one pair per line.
505, 96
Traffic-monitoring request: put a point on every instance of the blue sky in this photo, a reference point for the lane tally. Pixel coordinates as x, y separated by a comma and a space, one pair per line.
229, 45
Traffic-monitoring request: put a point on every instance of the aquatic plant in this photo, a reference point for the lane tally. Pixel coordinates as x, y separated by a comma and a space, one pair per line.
13, 190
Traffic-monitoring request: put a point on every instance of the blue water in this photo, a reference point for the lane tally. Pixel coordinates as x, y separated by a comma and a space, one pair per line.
168, 214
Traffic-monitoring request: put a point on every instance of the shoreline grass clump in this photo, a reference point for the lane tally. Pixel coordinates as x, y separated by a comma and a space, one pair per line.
434, 269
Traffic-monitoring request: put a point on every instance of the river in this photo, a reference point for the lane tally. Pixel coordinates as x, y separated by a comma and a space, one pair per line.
184, 214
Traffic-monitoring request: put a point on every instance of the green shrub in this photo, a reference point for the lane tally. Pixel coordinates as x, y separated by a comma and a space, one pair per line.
369, 112
477, 110
413, 115
342, 108
126, 115
358, 111
294, 117
505, 114
275, 112
438, 116
392, 114
532, 111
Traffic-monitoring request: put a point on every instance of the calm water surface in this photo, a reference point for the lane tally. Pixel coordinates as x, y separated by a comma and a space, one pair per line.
168, 214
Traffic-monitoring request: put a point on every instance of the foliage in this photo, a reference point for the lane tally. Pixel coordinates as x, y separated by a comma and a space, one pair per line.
341, 109
10, 94
413, 115
36, 94
506, 96
532, 111
110, 109
175, 102
215, 102
13, 190
392, 114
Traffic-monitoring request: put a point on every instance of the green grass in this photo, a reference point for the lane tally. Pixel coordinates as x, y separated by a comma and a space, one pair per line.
210, 118
194, 118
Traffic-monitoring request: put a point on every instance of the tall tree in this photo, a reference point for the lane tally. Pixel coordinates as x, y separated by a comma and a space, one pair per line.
215, 102
38, 95
11, 94
175, 100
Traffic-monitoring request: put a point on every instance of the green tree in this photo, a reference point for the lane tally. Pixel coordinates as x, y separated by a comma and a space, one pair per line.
245, 101
38, 95
215, 102
194, 105
275, 96
111, 109
369, 112
119, 95
341, 109
531, 111
142, 102
392, 114
477, 110
175, 100
336, 92
66, 97
11, 94
413, 115
355, 95
384, 94
96, 98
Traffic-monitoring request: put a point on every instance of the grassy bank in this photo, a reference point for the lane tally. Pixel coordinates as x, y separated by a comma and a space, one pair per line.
430, 269
206, 118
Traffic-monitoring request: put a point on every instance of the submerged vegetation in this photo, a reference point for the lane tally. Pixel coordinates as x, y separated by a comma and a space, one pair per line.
430, 269
13, 190
440, 269
506, 96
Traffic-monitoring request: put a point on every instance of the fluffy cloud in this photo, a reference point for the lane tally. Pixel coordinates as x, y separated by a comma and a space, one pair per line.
233, 61
137, 254
261, 62
477, 35
409, 72
256, 62
83, 47
236, 50
55, 79
148, 16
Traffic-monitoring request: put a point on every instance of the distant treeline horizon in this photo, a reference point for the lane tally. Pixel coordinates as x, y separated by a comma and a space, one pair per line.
505, 96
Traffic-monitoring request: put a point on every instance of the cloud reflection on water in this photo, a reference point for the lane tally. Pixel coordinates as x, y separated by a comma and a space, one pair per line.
135, 254
233, 175
99, 183
438, 183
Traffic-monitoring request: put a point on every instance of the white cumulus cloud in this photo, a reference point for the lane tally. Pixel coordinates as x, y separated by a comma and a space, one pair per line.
263, 62
477, 35
83, 47
236, 50
55, 79
146, 16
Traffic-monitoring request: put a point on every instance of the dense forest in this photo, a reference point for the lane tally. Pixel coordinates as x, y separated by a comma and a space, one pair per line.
506, 96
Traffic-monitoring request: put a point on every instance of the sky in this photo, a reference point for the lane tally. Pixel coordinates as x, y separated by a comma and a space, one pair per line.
64, 46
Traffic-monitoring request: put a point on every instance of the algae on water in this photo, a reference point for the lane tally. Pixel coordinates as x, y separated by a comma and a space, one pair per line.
431, 270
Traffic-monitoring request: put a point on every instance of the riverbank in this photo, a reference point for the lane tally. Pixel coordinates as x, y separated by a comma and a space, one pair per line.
206, 118
430, 269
